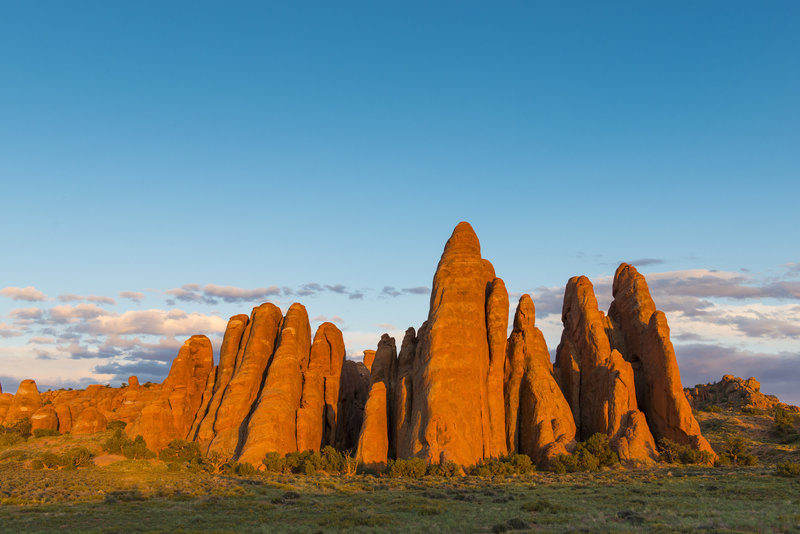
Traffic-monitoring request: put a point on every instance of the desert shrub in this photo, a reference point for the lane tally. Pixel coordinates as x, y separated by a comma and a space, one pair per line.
751, 410
116, 424
69, 459
181, 451
8, 438
783, 425
137, 449
714, 408
44, 432
21, 427
444, 469
244, 470
333, 461
590, 455
513, 464
116, 442
788, 469
77, 457
674, 453
274, 463
736, 451
410, 468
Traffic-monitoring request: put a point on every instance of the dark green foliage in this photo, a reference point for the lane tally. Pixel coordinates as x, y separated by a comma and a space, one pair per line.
69, 459
22, 427
590, 455
715, 409
15, 433
244, 470
44, 432
445, 469
137, 449
783, 426
116, 424
736, 452
181, 451
514, 464
274, 463
114, 444
328, 460
410, 468
788, 469
751, 410
675, 453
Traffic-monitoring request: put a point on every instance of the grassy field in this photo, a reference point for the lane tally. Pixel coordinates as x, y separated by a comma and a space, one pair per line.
147, 496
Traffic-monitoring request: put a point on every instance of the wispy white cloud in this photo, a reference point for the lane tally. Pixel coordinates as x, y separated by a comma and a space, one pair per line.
70, 297
29, 293
135, 296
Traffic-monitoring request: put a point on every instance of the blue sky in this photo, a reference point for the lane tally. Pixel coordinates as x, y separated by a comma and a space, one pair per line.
146, 146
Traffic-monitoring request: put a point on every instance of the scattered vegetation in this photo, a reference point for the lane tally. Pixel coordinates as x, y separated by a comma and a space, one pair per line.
45, 432
328, 460
135, 449
513, 464
788, 469
671, 452
590, 455
15, 433
69, 459
736, 452
784, 426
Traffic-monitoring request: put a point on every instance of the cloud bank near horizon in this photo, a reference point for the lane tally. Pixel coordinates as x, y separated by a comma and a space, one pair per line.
722, 323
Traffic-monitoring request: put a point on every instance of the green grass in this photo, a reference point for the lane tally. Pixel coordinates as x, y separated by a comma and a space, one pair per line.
141, 496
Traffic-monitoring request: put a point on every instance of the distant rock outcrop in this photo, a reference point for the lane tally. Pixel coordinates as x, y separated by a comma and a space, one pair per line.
24, 403
736, 393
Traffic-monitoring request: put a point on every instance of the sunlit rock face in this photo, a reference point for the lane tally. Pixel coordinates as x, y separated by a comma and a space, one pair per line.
460, 388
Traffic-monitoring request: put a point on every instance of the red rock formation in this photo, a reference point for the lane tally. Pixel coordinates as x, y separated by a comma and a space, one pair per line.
538, 418
89, 421
316, 417
25, 402
243, 389
232, 344
272, 427
733, 392
607, 394
369, 357
378, 429
403, 394
353, 393
451, 404
168, 413
5, 402
45, 418
497, 330
645, 336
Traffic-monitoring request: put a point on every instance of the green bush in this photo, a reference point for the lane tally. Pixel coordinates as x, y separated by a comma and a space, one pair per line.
274, 463
244, 470
590, 455
181, 451
783, 425
116, 442
736, 452
513, 464
444, 469
8, 438
714, 408
788, 469
675, 453
44, 432
137, 449
69, 459
116, 424
410, 468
